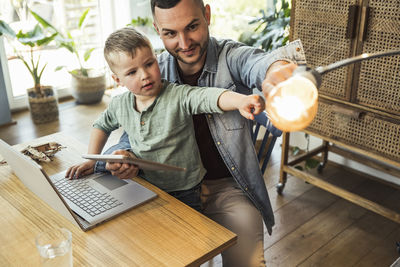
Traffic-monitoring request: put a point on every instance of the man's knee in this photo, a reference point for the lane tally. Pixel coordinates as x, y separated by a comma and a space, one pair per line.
245, 253
242, 218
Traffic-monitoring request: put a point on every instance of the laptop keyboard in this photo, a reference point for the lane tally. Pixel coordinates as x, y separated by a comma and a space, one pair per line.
87, 198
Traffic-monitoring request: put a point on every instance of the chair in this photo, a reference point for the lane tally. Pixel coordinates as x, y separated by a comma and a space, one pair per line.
271, 133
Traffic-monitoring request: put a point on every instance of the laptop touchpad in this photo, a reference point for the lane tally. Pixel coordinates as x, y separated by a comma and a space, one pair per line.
110, 182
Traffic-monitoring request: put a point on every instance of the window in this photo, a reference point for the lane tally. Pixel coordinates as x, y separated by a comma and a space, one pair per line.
63, 14
228, 21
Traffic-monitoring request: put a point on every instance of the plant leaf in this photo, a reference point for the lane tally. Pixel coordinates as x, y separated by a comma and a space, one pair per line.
82, 18
46, 40
295, 150
59, 68
298, 167
274, 26
68, 46
5, 29
42, 21
87, 54
311, 163
41, 72
30, 38
285, 40
27, 65
65, 42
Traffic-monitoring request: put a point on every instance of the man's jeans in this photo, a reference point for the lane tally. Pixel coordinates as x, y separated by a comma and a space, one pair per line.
190, 197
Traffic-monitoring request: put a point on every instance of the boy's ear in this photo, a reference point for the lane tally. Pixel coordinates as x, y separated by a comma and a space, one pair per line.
116, 79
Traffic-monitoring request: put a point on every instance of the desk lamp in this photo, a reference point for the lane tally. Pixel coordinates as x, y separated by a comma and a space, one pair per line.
292, 104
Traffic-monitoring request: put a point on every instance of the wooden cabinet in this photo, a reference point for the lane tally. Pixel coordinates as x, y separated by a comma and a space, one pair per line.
359, 105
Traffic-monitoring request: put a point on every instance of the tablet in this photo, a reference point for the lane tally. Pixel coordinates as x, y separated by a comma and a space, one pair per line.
141, 163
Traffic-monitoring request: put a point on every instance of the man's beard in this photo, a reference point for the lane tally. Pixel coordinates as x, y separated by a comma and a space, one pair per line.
203, 49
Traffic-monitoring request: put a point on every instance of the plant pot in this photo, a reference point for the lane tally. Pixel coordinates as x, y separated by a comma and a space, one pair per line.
88, 90
43, 108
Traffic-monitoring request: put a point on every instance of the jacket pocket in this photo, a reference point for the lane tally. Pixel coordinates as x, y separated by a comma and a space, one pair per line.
232, 120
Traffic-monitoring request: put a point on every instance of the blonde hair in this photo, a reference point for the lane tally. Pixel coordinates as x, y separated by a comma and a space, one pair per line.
125, 40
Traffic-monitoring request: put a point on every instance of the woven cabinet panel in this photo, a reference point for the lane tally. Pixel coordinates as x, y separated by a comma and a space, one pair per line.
379, 79
321, 26
369, 133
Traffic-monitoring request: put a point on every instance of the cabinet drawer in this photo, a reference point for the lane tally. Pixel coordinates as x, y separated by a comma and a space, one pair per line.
322, 27
368, 132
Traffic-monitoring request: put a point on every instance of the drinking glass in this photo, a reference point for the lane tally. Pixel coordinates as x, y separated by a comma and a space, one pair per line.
55, 247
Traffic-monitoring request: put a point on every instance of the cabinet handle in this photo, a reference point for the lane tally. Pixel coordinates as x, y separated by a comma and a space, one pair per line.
352, 21
355, 114
365, 13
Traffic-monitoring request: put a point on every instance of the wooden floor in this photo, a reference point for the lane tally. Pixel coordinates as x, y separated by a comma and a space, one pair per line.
313, 227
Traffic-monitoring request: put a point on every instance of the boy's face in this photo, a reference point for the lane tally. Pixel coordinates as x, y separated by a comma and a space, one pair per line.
140, 74
184, 32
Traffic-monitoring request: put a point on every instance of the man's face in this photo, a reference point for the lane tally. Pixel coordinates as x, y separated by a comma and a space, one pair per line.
140, 74
184, 32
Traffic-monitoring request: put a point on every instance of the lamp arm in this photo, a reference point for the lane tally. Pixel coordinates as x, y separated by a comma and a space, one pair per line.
324, 69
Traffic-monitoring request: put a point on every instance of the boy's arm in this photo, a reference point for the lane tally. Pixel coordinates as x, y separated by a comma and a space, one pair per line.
247, 105
98, 139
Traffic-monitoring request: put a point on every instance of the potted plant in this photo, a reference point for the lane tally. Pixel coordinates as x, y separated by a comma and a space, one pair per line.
42, 101
144, 25
272, 30
87, 85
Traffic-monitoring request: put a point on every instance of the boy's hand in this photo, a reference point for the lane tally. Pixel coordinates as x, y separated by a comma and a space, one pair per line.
123, 170
251, 105
80, 170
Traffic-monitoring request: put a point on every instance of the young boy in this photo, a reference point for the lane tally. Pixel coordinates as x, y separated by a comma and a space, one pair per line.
156, 114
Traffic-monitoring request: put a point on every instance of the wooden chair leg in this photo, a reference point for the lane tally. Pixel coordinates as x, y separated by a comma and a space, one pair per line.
284, 161
321, 166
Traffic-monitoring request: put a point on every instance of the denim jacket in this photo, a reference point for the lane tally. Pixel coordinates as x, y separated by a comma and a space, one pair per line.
239, 68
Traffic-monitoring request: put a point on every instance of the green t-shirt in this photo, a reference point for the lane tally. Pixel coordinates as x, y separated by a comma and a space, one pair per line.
164, 131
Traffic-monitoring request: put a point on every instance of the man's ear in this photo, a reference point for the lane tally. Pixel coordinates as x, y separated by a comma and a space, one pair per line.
155, 27
207, 13
116, 79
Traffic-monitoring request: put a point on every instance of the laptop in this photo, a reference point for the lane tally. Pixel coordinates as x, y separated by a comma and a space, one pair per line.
86, 202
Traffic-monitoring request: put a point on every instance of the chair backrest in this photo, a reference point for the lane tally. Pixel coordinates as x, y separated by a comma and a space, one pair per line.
271, 134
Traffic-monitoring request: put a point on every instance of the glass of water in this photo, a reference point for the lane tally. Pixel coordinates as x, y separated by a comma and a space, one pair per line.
55, 247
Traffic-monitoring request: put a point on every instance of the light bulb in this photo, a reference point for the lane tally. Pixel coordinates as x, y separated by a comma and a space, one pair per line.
292, 104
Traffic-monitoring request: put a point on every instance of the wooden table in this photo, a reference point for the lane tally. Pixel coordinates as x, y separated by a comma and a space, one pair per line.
162, 232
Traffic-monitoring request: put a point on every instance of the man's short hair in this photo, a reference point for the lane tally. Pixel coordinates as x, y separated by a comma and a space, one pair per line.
166, 4
125, 40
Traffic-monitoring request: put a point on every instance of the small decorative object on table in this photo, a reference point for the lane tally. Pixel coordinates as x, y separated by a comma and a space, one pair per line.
43, 152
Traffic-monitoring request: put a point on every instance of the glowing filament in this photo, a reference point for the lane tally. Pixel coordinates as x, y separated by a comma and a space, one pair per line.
288, 108
292, 104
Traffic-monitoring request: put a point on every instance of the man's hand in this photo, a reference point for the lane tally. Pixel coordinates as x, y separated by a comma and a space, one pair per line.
123, 170
251, 105
279, 71
80, 170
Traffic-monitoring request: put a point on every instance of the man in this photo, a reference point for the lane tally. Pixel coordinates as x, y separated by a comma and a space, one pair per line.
233, 191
